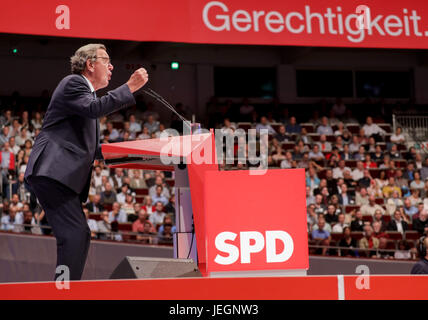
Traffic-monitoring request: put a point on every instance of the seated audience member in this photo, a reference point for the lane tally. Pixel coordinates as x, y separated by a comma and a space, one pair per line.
348, 242
138, 225
304, 137
394, 153
378, 217
372, 129
158, 197
369, 209
293, 126
361, 154
117, 214
398, 222
358, 223
390, 188
368, 242
156, 218
137, 181
324, 128
339, 170
377, 230
321, 236
151, 124
420, 224
316, 154
398, 136
92, 224
358, 172
108, 196
361, 197
393, 203
264, 125
128, 207
166, 236
403, 252
345, 197
330, 216
424, 170
417, 183
382, 252
369, 163
146, 235
340, 225
95, 205
324, 145
104, 226
282, 135
378, 154
408, 208
159, 182
414, 197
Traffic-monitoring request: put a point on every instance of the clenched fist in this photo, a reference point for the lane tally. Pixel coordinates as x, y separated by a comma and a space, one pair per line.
138, 79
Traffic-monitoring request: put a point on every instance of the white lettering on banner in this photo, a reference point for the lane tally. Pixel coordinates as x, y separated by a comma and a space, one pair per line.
63, 20
252, 242
217, 17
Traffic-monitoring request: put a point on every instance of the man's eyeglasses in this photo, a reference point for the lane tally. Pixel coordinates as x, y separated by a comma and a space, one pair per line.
105, 59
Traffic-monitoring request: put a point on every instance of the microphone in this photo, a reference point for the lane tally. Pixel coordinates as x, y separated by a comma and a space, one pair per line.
160, 99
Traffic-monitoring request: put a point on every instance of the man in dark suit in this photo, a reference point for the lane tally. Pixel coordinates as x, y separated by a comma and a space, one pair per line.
398, 223
60, 166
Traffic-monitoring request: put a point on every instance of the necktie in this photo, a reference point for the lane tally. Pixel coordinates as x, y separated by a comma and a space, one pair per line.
97, 129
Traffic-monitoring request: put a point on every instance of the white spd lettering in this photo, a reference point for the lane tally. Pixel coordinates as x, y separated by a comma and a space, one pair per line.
253, 242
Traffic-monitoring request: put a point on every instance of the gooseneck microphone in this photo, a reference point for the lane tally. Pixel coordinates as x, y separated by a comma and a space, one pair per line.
159, 98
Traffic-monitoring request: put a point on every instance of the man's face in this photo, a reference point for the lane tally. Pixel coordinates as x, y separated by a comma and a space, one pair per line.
102, 69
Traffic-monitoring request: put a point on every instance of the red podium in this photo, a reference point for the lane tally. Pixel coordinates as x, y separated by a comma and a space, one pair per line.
246, 222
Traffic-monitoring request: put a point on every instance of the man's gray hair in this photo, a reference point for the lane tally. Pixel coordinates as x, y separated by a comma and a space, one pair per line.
78, 60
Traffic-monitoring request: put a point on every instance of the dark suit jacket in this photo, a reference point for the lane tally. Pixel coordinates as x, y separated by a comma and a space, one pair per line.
392, 225
69, 140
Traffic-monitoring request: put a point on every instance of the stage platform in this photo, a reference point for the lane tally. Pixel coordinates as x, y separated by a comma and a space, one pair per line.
337, 287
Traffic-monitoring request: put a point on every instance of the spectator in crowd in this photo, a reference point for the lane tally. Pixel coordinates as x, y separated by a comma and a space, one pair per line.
121, 197
147, 235
117, 178
108, 196
170, 207
368, 162
346, 153
409, 172
398, 136
304, 137
394, 153
358, 172
401, 182
15, 148
417, 183
372, 129
414, 197
383, 252
158, 197
92, 224
264, 125
377, 230
361, 197
398, 222
345, 197
389, 189
316, 154
370, 209
378, 217
321, 236
340, 129
348, 242
4, 136
360, 154
137, 181
167, 220
138, 225
104, 227
134, 125
37, 121
420, 224
23, 136
145, 134
393, 203
281, 136
128, 207
378, 154
368, 242
286, 163
408, 208
338, 171
354, 146
12, 221
95, 205
156, 218
340, 225
165, 237
330, 216
152, 125
323, 144
324, 128
419, 162
403, 252
117, 214
293, 126
366, 180
159, 182
111, 132
312, 179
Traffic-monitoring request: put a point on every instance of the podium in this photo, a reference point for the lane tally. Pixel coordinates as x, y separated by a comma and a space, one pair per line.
233, 223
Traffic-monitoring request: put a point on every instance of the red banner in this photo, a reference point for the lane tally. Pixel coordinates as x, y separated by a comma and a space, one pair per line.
338, 23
